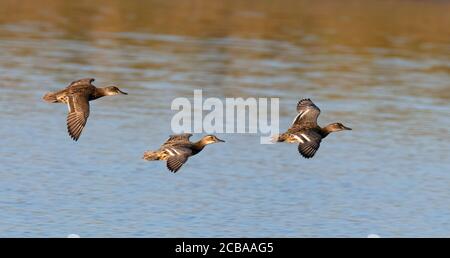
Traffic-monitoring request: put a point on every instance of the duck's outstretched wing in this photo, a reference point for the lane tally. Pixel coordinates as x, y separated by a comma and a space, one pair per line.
177, 157
78, 105
308, 113
178, 138
81, 82
308, 143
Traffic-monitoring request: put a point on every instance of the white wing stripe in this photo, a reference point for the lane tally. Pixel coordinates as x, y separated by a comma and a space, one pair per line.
297, 138
170, 152
306, 137
304, 113
295, 119
300, 115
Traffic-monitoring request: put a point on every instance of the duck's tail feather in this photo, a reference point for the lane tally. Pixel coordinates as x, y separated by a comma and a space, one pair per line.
151, 155
50, 97
274, 138
278, 138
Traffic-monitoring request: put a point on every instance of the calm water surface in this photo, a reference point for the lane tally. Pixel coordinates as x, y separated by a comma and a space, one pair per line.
380, 67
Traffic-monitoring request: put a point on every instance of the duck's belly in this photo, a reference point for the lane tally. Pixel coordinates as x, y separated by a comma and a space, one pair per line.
163, 155
291, 140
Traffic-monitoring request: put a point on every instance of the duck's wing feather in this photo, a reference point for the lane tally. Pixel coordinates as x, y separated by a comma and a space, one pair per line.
81, 82
78, 105
178, 155
308, 113
309, 143
178, 138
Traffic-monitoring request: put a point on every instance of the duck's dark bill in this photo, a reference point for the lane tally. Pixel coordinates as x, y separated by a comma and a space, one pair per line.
124, 93
347, 128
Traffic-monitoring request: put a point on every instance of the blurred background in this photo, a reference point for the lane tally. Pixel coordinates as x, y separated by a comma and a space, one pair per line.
381, 67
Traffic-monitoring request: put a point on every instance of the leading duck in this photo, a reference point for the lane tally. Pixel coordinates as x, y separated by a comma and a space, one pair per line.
77, 96
305, 131
178, 148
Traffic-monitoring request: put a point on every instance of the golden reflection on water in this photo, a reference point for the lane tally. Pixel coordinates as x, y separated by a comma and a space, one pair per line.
349, 22
353, 44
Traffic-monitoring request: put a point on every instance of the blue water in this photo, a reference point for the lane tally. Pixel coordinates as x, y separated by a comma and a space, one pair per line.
389, 176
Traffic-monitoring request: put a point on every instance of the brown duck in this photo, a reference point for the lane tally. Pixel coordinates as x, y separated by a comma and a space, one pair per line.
306, 132
77, 96
178, 148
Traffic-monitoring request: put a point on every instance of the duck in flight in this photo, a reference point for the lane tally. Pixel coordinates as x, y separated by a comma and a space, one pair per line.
306, 132
77, 96
178, 148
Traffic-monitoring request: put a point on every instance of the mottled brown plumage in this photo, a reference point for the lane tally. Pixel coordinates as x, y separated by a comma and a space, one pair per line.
77, 96
178, 148
306, 132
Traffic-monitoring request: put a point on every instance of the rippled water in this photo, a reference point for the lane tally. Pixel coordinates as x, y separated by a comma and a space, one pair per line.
381, 67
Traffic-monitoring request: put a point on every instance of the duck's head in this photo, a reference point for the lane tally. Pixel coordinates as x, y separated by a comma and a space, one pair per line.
336, 127
113, 90
208, 139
